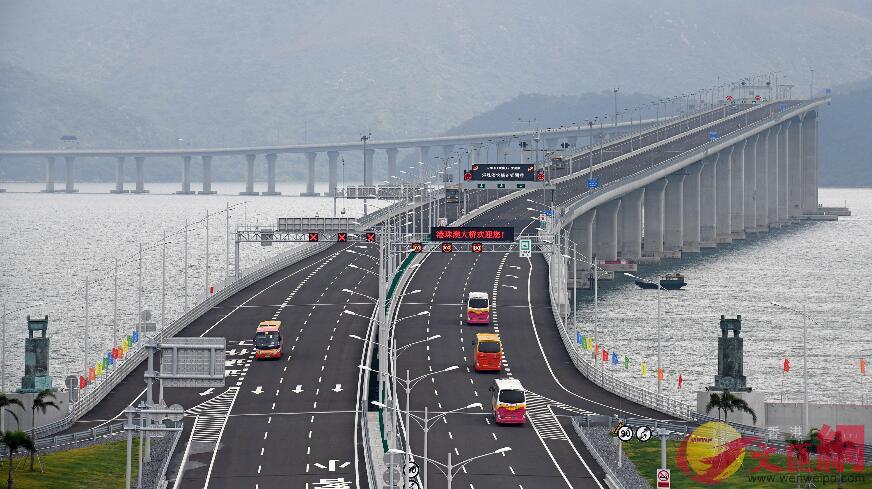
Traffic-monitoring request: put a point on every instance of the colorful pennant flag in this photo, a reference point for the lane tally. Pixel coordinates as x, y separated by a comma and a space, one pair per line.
82, 382
106, 363
605, 355
98, 369
91, 374
589, 345
626, 362
135, 336
786, 365
680, 381
596, 351
863, 366
125, 347
644, 369
660, 374
615, 359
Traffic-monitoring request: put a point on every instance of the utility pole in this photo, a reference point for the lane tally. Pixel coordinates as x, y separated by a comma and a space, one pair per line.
138, 294
186, 266
616, 106
114, 308
87, 340
207, 255
364, 138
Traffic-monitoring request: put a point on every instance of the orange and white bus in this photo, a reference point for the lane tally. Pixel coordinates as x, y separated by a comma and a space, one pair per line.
509, 402
268, 340
488, 352
478, 308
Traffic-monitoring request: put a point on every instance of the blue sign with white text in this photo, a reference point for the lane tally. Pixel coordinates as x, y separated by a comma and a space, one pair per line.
713, 135
592, 182
548, 212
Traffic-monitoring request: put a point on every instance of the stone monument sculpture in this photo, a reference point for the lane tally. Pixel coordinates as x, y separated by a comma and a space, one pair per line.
730, 375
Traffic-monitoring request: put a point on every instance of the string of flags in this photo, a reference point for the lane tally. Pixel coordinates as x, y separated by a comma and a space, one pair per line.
612, 357
112, 356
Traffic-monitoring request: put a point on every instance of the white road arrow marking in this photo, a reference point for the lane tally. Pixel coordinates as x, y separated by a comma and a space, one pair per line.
510, 286
338, 388
515, 266
331, 465
231, 352
207, 391
297, 389
259, 390
510, 275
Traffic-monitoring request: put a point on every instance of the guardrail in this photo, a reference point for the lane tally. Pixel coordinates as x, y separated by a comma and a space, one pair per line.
73, 438
93, 395
612, 479
160, 479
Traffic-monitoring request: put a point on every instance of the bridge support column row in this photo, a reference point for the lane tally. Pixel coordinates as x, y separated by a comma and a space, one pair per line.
673, 219
810, 162
724, 196
607, 230
310, 176
271, 175
207, 176
707, 203
502, 151
654, 204
186, 177
750, 169
369, 156
691, 204
794, 171
772, 150
631, 225
119, 176
392, 165
249, 175
737, 188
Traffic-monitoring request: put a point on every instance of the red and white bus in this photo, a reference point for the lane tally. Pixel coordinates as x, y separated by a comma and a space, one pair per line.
268, 340
478, 308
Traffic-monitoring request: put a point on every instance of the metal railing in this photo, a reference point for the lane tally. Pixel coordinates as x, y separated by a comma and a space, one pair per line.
93, 395
160, 480
612, 479
73, 438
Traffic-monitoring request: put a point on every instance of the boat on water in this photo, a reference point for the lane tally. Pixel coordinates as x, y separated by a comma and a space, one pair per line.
670, 282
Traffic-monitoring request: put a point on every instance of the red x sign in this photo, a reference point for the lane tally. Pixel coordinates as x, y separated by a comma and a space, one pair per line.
370, 237
313, 237
341, 237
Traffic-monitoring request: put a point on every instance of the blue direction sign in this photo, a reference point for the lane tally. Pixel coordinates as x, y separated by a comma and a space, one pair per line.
592, 182
548, 212
713, 135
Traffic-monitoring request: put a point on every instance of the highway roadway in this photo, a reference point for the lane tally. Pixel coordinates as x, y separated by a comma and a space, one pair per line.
291, 422
545, 452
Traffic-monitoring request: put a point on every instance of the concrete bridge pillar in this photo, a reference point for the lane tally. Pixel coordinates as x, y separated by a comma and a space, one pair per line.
761, 187
1, 183
119, 176
707, 203
691, 219
369, 156
810, 161
423, 162
737, 188
654, 204
70, 167
392, 165
207, 176
249, 175
186, 176
749, 156
310, 175
447, 149
794, 171
673, 215
783, 169
606, 237
582, 234
724, 196
502, 151
631, 225
271, 175
140, 175
49, 174
333, 157
772, 180
475, 154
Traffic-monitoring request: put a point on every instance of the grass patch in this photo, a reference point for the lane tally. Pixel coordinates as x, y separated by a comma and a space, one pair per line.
94, 467
646, 457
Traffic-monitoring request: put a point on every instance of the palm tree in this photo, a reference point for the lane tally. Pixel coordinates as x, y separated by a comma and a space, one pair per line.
40, 404
6, 402
729, 403
16, 440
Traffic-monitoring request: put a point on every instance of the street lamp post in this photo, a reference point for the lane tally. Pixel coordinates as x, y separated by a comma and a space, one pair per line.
802, 313
615, 91
425, 424
450, 470
364, 138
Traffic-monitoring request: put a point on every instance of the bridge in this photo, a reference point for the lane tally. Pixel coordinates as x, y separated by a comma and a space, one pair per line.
476, 145
697, 181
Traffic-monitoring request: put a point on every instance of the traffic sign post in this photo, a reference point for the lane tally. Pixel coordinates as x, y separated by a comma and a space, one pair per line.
664, 479
592, 182
525, 248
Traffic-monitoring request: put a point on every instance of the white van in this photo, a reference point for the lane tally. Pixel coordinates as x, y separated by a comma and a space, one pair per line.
508, 401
